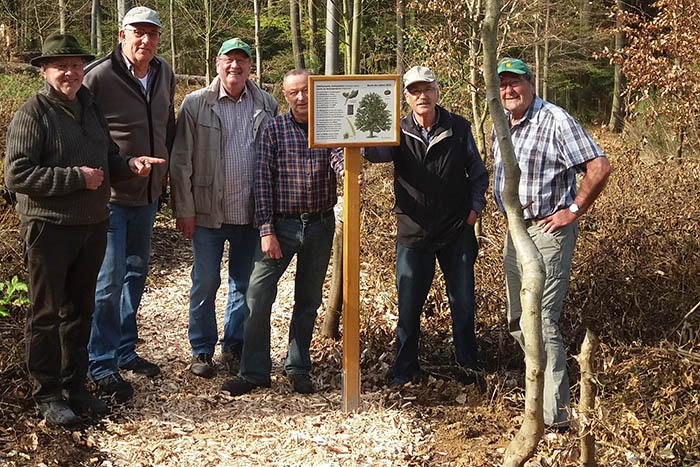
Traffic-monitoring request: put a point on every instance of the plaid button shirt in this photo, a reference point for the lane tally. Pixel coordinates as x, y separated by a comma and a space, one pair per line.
550, 147
290, 178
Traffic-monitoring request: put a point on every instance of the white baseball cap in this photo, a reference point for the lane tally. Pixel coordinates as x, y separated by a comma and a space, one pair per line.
141, 14
418, 74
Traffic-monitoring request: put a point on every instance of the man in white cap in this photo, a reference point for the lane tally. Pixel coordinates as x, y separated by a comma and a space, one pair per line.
212, 171
135, 89
439, 186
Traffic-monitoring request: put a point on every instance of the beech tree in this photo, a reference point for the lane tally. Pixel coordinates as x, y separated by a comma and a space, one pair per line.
372, 115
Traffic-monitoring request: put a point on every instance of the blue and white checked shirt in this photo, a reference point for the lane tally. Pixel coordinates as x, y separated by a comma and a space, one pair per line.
550, 147
239, 157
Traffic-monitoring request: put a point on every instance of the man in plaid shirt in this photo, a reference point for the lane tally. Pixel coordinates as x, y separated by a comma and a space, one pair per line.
551, 148
295, 191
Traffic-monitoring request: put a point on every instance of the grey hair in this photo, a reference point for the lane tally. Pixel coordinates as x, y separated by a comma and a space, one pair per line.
296, 72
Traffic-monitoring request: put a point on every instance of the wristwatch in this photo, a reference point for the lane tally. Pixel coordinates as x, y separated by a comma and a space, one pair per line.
574, 208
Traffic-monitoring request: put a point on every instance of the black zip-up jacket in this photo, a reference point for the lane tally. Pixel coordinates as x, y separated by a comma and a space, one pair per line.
436, 185
140, 125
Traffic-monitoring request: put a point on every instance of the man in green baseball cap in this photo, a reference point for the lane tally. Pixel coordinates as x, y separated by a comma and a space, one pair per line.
234, 44
513, 65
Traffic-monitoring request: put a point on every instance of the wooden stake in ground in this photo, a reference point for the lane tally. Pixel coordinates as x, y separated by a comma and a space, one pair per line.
331, 320
523, 446
587, 362
351, 280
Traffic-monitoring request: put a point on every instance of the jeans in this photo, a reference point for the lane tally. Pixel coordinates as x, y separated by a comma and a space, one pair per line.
208, 245
120, 285
311, 242
62, 262
414, 275
557, 249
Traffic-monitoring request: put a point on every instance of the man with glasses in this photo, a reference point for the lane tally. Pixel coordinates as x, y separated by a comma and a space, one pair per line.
439, 186
212, 169
295, 191
135, 89
551, 148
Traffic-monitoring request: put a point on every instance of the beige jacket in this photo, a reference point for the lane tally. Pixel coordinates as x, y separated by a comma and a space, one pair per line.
196, 163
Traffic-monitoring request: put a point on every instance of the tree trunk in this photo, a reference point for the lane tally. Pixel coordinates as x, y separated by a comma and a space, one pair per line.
523, 446
332, 20
347, 20
258, 53
617, 111
173, 55
314, 53
334, 310
356, 31
538, 58
122, 7
587, 362
62, 16
296, 34
545, 59
207, 40
96, 27
400, 42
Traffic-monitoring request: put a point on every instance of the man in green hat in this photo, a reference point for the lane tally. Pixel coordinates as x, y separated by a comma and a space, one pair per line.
60, 162
212, 171
551, 148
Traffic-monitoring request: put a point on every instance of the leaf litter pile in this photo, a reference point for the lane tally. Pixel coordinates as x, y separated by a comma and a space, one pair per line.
635, 282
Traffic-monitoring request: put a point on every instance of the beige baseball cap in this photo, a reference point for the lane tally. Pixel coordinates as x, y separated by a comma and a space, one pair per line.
418, 74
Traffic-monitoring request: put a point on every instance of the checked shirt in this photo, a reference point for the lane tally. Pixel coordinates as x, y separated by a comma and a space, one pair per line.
290, 178
550, 147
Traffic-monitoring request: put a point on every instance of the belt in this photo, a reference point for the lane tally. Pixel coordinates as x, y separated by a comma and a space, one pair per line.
307, 217
531, 222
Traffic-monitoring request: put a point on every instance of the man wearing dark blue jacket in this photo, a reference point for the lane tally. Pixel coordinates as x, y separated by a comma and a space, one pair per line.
439, 186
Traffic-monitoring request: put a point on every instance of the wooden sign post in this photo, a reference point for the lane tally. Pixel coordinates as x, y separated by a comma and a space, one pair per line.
353, 111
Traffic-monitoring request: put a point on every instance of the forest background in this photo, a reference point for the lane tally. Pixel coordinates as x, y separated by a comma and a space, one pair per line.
629, 70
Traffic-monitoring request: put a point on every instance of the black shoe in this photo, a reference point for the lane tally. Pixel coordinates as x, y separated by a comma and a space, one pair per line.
80, 400
57, 413
202, 365
302, 384
239, 386
467, 376
559, 428
141, 366
113, 386
231, 360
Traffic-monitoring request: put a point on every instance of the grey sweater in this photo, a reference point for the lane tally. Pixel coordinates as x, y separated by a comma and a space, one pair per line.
46, 146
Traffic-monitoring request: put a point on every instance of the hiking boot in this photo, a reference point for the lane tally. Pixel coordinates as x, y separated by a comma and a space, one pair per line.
231, 360
141, 366
80, 400
239, 386
114, 387
302, 384
57, 413
202, 365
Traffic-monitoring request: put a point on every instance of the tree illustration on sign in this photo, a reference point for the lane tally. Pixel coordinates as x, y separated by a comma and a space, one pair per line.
372, 115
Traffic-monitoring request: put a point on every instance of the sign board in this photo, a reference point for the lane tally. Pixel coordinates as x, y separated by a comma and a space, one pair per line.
354, 110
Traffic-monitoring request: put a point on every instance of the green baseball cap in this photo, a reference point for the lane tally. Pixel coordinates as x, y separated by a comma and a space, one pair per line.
513, 65
234, 44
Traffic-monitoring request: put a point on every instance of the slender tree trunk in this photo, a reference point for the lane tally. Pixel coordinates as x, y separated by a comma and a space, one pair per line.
96, 26
356, 31
545, 59
258, 52
347, 20
523, 446
207, 40
122, 7
617, 111
331, 321
296, 34
400, 41
587, 362
173, 54
314, 52
538, 58
62, 16
332, 21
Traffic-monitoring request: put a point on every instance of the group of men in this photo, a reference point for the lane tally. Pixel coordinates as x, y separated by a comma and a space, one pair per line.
240, 173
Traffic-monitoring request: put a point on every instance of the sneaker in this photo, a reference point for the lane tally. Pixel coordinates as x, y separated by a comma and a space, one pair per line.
113, 386
57, 413
141, 366
302, 384
239, 386
202, 365
80, 400
231, 360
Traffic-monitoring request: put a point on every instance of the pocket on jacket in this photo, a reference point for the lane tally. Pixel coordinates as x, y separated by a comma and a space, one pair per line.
202, 191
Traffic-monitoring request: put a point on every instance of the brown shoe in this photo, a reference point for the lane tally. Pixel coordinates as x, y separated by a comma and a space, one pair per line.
202, 365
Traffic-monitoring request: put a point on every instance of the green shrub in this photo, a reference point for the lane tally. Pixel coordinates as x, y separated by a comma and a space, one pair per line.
12, 295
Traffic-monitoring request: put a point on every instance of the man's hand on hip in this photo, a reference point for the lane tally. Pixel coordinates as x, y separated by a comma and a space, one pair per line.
186, 226
271, 246
559, 219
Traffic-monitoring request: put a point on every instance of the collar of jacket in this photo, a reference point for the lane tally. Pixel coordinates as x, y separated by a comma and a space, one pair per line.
443, 127
84, 95
212, 92
117, 59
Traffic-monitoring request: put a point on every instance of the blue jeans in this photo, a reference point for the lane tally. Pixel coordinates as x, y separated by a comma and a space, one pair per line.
120, 285
311, 242
414, 275
557, 249
208, 246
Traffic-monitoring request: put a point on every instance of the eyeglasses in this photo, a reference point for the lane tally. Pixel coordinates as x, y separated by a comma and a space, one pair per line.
225, 60
421, 90
513, 84
138, 33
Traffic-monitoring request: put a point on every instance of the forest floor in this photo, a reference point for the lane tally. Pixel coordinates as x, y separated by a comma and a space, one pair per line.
635, 280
